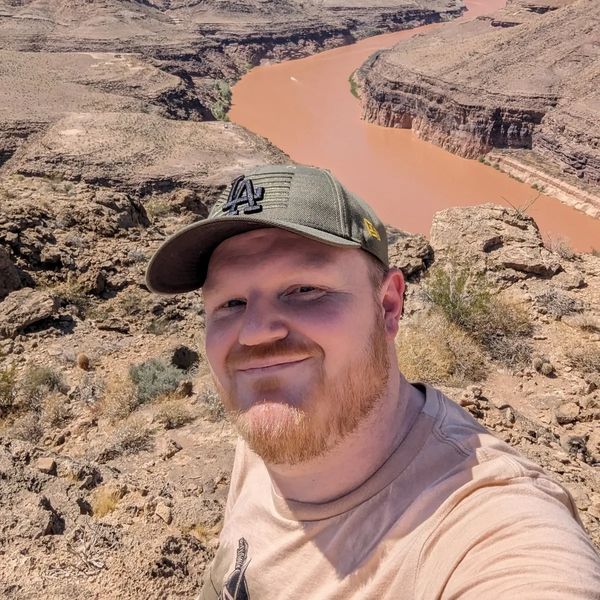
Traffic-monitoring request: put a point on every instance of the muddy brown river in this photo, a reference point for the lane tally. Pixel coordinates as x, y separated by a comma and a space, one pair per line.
305, 108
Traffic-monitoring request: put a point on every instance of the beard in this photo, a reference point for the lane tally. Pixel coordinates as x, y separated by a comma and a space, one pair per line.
288, 432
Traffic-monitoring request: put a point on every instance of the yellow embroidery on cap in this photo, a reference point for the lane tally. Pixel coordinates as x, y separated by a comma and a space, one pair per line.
371, 229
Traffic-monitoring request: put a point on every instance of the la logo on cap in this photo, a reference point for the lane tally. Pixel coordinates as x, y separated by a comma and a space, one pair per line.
243, 192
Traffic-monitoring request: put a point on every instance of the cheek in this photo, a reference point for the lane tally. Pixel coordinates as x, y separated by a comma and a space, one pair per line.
218, 341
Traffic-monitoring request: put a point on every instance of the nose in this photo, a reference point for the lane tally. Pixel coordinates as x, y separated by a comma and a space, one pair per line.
261, 324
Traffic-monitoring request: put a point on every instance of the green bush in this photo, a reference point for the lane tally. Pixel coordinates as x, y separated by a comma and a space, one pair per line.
38, 382
154, 378
467, 299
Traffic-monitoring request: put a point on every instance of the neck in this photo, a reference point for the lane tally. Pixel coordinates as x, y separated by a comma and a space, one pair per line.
366, 449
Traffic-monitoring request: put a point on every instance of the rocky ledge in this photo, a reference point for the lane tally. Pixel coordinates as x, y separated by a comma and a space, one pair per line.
524, 79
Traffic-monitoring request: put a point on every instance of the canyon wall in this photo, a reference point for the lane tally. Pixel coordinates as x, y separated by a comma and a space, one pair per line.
526, 78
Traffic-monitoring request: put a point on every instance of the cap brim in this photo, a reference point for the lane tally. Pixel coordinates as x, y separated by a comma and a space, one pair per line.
181, 263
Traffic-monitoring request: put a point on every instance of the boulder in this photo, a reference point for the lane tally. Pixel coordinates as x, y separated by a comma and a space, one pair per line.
24, 308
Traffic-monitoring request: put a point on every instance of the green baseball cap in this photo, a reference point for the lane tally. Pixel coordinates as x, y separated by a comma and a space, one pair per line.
305, 200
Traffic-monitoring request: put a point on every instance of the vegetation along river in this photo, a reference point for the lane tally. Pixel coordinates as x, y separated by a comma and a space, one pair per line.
305, 107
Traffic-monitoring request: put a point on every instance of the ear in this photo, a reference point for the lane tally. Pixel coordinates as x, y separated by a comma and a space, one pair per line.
392, 300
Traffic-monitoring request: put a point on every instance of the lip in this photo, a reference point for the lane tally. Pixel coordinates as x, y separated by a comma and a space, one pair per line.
267, 366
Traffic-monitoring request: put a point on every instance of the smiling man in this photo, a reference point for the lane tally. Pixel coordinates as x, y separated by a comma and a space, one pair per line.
348, 481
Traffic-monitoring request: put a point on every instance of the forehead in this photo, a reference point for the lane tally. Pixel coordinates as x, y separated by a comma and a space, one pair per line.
272, 247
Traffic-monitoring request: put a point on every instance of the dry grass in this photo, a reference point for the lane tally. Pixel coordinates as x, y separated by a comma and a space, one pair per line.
119, 399
56, 411
105, 499
212, 403
174, 413
560, 246
432, 349
584, 357
27, 428
39, 381
133, 436
203, 532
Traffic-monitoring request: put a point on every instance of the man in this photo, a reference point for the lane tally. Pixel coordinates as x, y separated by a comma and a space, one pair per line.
348, 481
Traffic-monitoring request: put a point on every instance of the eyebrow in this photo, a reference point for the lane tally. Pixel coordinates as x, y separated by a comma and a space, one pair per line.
308, 260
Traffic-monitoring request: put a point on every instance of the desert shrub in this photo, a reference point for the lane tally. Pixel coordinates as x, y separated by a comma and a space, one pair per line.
434, 350
560, 246
154, 378
557, 303
131, 437
74, 293
463, 295
468, 300
174, 413
157, 207
212, 403
8, 390
39, 381
223, 101
119, 399
27, 428
55, 410
353, 85
584, 357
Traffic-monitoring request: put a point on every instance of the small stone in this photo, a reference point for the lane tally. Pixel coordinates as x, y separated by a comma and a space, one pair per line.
509, 415
567, 413
164, 512
170, 448
46, 465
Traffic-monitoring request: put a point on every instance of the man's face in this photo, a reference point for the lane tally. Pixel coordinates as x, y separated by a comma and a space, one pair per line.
296, 341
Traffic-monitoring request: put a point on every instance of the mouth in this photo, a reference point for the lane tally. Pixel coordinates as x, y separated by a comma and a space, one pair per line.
271, 365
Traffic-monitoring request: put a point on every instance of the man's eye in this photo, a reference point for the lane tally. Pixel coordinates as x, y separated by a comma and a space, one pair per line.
235, 303
307, 291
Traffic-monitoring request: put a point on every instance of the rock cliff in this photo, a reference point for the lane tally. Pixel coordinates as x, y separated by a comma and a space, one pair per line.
526, 78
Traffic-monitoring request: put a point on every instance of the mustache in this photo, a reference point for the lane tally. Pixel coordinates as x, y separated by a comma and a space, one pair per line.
285, 348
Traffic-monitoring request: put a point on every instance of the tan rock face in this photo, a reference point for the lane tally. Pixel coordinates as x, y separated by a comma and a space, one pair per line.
506, 240
23, 308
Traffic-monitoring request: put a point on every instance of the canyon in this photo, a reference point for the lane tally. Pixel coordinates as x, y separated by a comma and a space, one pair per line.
518, 88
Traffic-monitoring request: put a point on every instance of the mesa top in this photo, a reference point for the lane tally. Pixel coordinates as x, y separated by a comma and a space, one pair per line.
453, 513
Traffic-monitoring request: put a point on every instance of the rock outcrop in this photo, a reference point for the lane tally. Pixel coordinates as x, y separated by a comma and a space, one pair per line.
508, 242
524, 79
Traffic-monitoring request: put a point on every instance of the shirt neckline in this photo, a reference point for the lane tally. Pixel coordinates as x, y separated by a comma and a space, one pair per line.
403, 455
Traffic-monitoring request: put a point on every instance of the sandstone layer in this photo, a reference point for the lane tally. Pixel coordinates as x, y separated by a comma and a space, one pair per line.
526, 78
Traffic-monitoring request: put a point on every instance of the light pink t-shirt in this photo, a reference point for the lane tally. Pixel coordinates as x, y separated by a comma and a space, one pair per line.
453, 513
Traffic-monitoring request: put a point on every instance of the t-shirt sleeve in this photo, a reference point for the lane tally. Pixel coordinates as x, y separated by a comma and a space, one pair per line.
515, 540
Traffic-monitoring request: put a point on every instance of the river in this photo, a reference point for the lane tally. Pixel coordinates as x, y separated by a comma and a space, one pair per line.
305, 108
